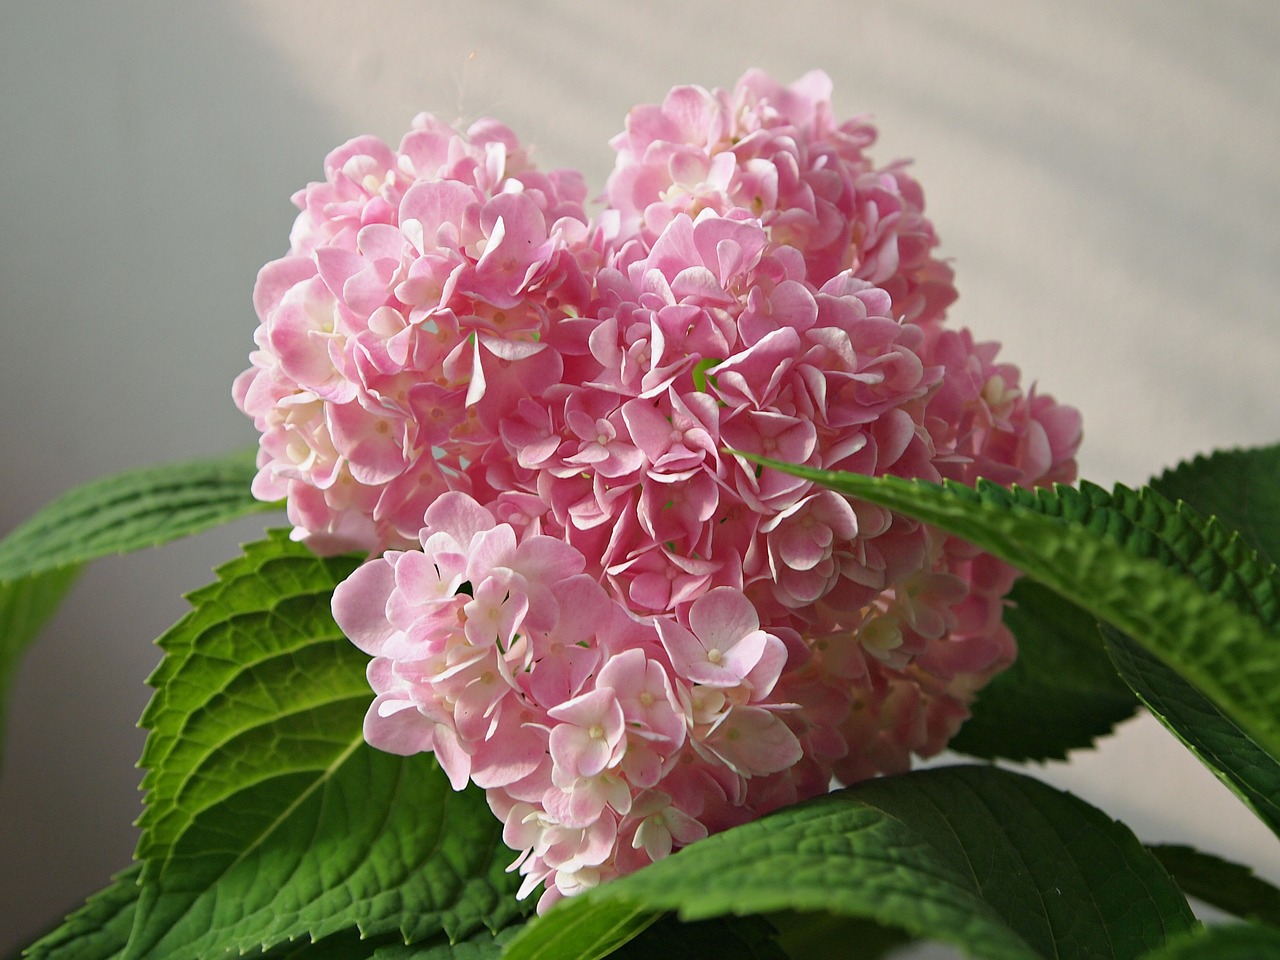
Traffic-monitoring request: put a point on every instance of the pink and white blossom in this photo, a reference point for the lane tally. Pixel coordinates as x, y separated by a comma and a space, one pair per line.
581, 597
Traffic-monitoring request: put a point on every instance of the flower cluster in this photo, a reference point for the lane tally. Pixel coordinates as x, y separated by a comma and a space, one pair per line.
586, 602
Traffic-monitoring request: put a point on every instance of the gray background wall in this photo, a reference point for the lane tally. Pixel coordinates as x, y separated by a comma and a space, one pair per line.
1105, 176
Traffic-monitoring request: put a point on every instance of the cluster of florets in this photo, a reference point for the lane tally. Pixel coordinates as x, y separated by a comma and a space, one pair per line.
586, 602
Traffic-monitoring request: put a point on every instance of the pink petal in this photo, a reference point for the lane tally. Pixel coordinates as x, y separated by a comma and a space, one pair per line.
360, 605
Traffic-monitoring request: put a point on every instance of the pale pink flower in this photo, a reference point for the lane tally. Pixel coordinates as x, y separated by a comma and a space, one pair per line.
662, 825
723, 643
628, 635
410, 313
776, 153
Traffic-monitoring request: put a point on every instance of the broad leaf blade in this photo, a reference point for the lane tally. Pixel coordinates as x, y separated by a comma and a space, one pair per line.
989, 860
590, 930
1133, 560
1238, 487
1215, 739
379, 842
100, 931
268, 819
1230, 887
1061, 693
129, 511
257, 679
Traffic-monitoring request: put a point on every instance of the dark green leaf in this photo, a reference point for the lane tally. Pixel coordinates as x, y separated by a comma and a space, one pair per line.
1230, 887
1184, 588
992, 861
743, 938
1060, 694
1239, 487
268, 818
348, 945
1218, 742
827, 936
482, 945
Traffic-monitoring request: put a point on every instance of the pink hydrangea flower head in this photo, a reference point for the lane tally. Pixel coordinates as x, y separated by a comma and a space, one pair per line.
410, 311
777, 153
583, 597
494, 651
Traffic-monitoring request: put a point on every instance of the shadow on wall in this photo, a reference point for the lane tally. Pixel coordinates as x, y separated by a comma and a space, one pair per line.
135, 218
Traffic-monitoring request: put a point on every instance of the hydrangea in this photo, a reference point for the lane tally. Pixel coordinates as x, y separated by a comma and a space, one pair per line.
581, 599
410, 311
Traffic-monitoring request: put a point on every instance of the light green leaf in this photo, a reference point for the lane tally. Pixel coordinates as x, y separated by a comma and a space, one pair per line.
1060, 694
268, 819
129, 511
995, 862
1232, 942
1230, 887
1184, 588
256, 680
584, 928
1239, 487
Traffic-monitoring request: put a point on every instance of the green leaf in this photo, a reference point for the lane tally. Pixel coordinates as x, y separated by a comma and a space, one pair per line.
26, 605
1232, 942
256, 680
100, 931
129, 511
1060, 694
1230, 887
268, 819
593, 929
743, 938
40, 559
826, 936
349, 945
479, 946
1242, 765
992, 861
97, 931
1131, 559
1238, 487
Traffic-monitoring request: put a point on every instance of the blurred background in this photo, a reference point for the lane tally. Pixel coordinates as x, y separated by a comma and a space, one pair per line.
1106, 179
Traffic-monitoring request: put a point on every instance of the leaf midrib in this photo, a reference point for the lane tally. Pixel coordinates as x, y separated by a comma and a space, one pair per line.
323, 777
